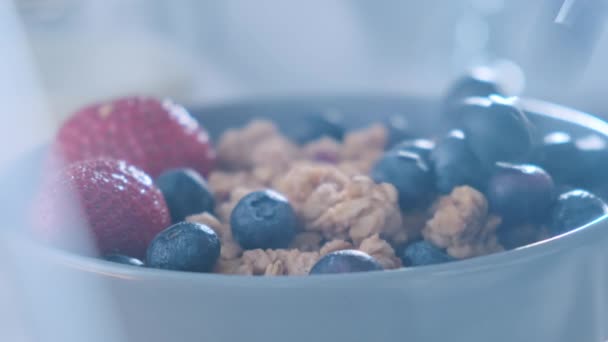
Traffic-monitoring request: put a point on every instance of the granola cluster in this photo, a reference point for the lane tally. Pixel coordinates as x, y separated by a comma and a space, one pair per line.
338, 205
462, 225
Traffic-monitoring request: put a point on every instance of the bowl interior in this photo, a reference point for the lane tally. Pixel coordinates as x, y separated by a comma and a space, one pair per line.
20, 181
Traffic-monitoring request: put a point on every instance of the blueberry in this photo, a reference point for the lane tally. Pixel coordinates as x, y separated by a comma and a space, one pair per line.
263, 219
422, 147
593, 159
455, 164
513, 236
186, 246
409, 174
559, 155
520, 193
468, 86
185, 192
575, 209
316, 125
123, 259
496, 129
346, 261
421, 253
398, 129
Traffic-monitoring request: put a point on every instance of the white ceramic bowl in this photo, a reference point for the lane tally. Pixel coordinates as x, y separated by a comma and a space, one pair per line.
552, 291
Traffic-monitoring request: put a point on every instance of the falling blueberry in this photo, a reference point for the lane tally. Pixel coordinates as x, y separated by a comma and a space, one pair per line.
263, 219
496, 129
575, 209
346, 261
186, 246
421, 253
422, 147
473, 84
454, 164
186, 193
520, 193
123, 259
409, 174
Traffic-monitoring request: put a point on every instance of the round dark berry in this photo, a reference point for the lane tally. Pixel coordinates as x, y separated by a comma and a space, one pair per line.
575, 209
421, 253
513, 236
593, 160
186, 193
496, 129
409, 174
346, 261
316, 125
559, 155
263, 219
422, 147
123, 259
520, 193
454, 164
186, 246
468, 86
398, 129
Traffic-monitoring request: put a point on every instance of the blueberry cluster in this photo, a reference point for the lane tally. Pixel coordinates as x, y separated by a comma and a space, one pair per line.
184, 246
262, 219
494, 149
532, 184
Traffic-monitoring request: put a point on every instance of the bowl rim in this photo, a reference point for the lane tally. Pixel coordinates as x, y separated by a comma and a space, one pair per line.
571, 240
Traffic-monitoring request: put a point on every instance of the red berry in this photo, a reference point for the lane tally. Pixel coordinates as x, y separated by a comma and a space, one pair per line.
152, 135
105, 205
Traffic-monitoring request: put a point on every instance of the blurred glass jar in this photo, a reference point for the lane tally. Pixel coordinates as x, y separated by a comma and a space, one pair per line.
86, 50
201, 51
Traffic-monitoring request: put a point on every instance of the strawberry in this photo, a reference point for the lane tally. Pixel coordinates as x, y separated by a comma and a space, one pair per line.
152, 135
101, 206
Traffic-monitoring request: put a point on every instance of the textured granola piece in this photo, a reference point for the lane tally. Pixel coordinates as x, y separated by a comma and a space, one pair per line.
275, 268
233, 266
259, 260
351, 168
461, 224
307, 241
485, 243
235, 146
363, 148
264, 175
223, 183
230, 249
381, 251
209, 220
270, 262
334, 246
299, 263
275, 152
325, 150
340, 206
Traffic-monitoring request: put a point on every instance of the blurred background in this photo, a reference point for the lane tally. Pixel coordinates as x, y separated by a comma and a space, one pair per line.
57, 55
60, 54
